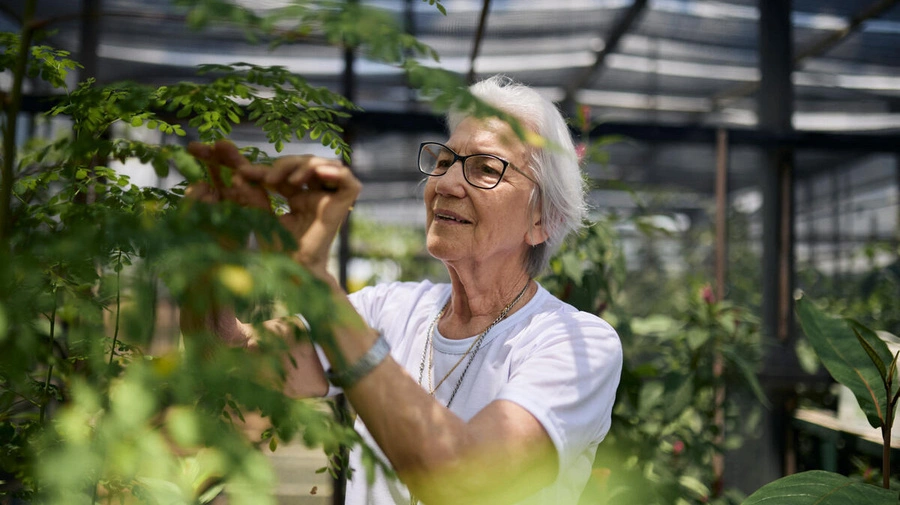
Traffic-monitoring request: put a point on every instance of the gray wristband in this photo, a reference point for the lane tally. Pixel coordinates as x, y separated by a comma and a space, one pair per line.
353, 374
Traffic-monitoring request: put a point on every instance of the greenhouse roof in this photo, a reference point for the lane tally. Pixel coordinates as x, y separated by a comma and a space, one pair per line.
664, 74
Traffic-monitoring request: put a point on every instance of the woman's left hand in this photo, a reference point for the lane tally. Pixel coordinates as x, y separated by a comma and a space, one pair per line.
319, 193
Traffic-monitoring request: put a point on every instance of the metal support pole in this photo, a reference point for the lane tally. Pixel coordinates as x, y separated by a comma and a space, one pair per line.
90, 38
339, 483
776, 105
721, 267
721, 211
768, 456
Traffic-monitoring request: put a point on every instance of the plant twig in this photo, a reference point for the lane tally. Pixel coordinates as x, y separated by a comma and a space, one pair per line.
12, 107
112, 352
50, 368
886, 452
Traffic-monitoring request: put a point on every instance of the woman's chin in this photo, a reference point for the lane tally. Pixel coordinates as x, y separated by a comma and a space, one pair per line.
442, 249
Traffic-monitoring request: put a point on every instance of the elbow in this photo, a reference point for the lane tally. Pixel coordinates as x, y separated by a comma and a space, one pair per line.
448, 477
437, 475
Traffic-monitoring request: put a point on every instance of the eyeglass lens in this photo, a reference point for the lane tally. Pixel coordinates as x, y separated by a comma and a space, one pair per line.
479, 170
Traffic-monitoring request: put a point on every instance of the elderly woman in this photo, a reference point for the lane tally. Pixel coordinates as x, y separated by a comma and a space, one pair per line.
484, 390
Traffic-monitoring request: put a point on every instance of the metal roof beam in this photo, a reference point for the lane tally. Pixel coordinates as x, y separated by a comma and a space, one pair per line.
479, 36
621, 27
818, 48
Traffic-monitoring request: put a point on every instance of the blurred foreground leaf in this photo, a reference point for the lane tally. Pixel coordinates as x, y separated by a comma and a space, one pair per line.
820, 488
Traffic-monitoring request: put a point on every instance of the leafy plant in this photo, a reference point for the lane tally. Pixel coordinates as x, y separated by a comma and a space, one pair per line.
92, 408
663, 437
858, 358
665, 434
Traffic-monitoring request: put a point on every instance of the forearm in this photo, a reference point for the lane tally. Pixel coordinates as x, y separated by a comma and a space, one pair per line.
204, 329
304, 376
439, 456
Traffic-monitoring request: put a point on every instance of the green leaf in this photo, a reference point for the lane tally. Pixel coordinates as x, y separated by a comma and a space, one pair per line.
875, 348
820, 488
652, 393
187, 165
693, 486
161, 167
183, 426
748, 373
840, 352
3, 324
572, 266
809, 362
678, 393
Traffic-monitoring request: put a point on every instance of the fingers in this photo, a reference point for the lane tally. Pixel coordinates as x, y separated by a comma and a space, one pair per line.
201, 151
287, 175
201, 192
306, 181
221, 154
311, 173
227, 154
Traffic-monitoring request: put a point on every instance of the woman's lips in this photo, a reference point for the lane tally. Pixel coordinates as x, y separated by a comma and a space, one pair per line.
450, 217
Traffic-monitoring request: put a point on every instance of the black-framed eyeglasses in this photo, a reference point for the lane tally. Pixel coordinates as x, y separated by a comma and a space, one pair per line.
480, 170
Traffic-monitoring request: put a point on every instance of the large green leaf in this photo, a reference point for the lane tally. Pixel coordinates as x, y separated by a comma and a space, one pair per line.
820, 488
845, 358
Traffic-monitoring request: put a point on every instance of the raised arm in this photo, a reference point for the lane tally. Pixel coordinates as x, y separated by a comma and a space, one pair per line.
500, 456
305, 377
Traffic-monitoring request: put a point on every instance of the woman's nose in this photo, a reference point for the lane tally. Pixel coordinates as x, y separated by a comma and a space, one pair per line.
453, 181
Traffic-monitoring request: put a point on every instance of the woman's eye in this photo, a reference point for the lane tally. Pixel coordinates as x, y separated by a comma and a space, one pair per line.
486, 169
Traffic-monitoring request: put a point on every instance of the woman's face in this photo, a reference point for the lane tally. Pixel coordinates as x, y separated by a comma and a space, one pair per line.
468, 224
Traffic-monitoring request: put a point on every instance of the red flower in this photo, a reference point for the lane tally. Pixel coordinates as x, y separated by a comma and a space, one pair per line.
707, 293
677, 447
580, 151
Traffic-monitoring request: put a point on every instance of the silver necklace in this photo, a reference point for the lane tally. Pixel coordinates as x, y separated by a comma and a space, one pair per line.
428, 349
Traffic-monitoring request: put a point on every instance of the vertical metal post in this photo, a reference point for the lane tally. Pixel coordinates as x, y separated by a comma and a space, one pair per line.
339, 483
349, 91
768, 457
721, 211
895, 108
409, 26
90, 38
836, 256
812, 238
776, 105
721, 267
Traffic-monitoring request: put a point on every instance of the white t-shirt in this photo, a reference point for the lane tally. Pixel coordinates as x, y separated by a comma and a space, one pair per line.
561, 365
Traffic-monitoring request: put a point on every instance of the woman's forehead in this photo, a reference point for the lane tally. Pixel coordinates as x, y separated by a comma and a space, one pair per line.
489, 136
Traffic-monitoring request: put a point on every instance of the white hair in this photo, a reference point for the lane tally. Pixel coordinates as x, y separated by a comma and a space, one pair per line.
561, 188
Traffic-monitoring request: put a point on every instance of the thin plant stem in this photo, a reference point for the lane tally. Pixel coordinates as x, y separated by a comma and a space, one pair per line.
94, 493
50, 368
9, 133
886, 450
112, 352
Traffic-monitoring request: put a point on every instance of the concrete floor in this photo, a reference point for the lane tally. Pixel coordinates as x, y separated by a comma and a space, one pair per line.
298, 482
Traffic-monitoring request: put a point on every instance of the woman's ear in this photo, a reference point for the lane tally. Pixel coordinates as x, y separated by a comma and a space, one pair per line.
536, 234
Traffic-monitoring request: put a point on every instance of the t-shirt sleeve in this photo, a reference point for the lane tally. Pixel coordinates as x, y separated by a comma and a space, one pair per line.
374, 304
567, 378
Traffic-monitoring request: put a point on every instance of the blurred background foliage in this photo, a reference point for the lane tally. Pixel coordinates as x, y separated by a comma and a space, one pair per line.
99, 401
